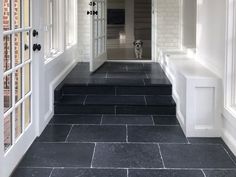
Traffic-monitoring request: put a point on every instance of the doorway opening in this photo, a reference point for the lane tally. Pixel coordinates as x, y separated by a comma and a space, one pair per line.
128, 21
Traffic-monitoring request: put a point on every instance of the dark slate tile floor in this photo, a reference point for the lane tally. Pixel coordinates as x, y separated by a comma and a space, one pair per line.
118, 142
130, 147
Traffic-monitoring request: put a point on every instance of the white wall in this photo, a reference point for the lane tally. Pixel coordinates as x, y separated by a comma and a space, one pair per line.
189, 17
211, 51
53, 73
83, 31
168, 24
211, 28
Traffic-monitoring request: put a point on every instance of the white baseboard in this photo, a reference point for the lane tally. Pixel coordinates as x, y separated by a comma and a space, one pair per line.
229, 140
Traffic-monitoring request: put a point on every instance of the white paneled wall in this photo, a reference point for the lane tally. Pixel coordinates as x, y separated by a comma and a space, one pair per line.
83, 31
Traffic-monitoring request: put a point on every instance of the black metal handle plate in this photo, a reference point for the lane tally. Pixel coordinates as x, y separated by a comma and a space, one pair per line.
35, 33
36, 47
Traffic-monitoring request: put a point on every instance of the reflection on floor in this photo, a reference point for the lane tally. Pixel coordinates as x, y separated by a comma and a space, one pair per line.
127, 54
120, 122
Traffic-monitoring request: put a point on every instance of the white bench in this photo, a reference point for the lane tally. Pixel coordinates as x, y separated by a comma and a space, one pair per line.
197, 92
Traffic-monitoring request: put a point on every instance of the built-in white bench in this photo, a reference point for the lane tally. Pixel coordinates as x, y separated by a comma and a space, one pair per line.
197, 92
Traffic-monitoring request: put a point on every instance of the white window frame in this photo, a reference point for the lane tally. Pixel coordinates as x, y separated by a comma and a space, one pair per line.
53, 25
230, 65
70, 22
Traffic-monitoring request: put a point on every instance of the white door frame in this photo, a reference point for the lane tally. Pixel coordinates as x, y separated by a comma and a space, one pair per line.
153, 40
10, 159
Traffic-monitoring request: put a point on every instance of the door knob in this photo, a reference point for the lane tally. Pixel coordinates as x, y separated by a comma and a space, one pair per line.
36, 47
35, 33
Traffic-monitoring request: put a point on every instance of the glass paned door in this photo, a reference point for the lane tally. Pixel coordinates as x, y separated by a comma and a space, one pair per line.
98, 34
17, 69
17, 80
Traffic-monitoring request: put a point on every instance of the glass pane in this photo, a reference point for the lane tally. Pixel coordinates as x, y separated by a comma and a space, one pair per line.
95, 29
18, 84
18, 48
99, 10
99, 28
27, 77
27, 111
7, 92
26, 45
17, 14
7, 132
18, 121
95, 8
26, 13
6, 15
7, 61
46, 44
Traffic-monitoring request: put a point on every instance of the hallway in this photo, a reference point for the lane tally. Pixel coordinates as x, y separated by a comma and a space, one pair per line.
120, 122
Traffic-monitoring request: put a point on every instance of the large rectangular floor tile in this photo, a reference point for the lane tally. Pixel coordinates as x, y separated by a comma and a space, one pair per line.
195, 156
126, 119
165, 120
120, 155
160, 134
76, 119
115, 100
94, 133
146, 110
142, 90
89, 90
55, 133
89, 173
127, 75
165, 173
160, 100
84, 109
218, 141
72, 100
58, 155
220, 173
32, 172
206, 141
116, 82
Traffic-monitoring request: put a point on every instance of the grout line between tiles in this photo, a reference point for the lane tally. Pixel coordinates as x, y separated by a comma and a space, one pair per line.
163, 163
101, 120
93, 155
145, 100
69, 133
227, 152
127, 136
188, 140
133, 168
203, 173
85, 99
147, 77
143, 82
127, 172
153, 120
51, 172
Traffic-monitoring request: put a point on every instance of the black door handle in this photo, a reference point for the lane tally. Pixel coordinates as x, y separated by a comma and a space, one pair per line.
35, 33
36, 47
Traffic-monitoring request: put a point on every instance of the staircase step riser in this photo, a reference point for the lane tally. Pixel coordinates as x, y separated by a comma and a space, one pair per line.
100, 109
123, 90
